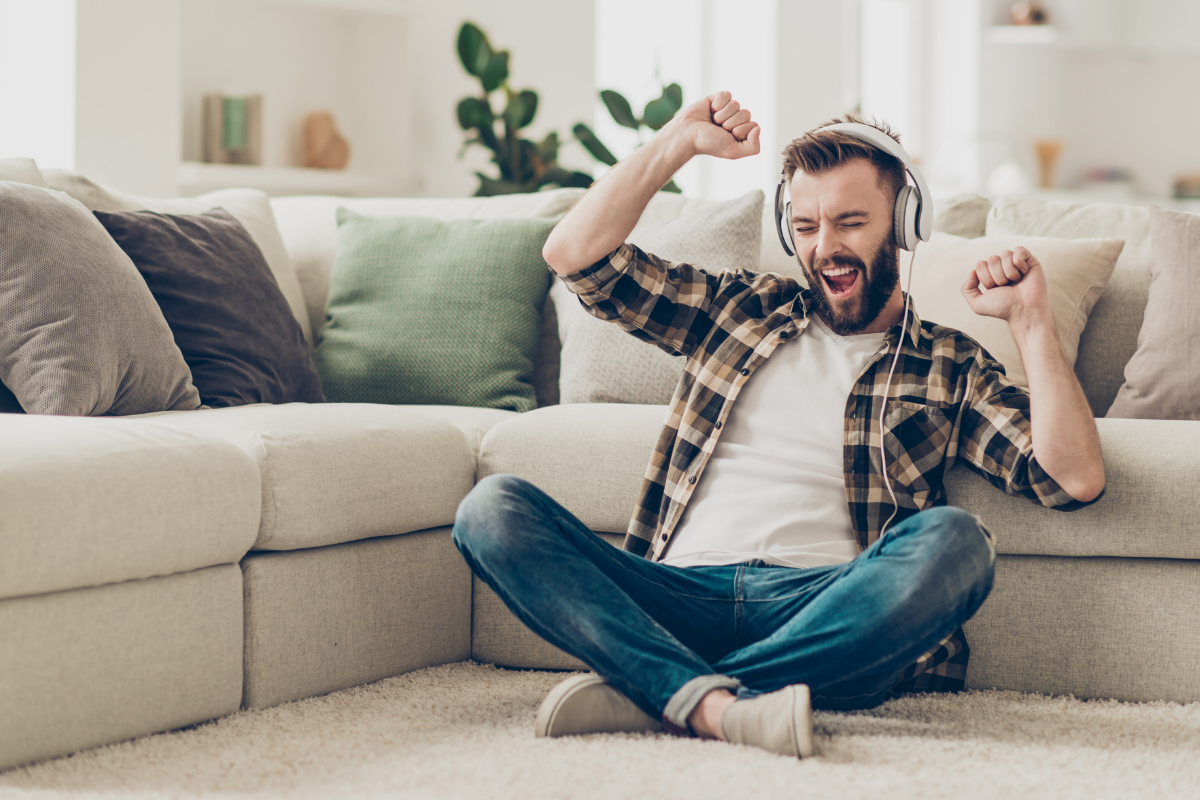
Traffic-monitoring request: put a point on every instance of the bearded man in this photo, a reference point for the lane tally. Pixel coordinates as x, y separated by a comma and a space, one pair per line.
777, 561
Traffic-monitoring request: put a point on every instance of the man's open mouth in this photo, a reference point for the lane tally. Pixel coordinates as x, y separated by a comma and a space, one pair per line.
840, 280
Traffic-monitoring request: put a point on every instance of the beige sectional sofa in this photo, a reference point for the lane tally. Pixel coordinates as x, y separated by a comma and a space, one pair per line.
171, 568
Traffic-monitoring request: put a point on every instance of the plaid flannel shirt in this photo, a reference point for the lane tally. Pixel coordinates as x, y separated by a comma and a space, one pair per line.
948, 400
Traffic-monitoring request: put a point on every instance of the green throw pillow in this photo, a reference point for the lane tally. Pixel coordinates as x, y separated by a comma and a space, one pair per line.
423, 311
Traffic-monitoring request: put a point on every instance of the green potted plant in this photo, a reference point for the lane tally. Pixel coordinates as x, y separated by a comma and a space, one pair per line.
524, 165
657, 113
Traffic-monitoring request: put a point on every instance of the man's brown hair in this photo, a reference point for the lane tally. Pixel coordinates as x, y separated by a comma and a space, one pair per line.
820, 151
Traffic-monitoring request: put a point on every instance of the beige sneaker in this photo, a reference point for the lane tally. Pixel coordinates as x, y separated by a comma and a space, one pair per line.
780, 722
590, 704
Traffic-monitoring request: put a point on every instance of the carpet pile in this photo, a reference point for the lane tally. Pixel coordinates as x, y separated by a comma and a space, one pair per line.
466, 730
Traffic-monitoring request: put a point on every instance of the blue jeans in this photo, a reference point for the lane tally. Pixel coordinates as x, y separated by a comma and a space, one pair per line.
666, 636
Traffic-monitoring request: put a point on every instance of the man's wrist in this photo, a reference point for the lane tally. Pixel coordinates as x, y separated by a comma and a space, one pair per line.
672, 149
1032, 324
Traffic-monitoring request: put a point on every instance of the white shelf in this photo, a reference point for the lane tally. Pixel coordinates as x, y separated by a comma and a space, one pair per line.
1022, 34
198, 178
401, 8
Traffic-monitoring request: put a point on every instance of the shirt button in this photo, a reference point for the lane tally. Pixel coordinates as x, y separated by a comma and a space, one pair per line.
664, 537
745, 371
692, 479
784, 335
718, 425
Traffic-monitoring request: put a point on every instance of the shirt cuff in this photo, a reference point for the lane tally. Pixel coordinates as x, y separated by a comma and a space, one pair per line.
594, 278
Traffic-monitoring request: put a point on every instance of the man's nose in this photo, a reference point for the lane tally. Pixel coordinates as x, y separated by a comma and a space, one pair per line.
828, 243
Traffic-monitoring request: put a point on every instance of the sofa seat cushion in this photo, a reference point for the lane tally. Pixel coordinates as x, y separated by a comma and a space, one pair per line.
590, 457
86, 501
338, 472
473, 422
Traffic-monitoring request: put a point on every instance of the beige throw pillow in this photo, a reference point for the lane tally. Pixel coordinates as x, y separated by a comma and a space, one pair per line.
1162, 379
1077, 270
601, 363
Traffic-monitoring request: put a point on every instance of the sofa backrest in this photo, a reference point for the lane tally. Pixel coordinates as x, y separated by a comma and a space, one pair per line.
1110, 338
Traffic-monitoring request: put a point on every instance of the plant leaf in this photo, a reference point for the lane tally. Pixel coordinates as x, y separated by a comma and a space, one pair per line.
593, 145
548, 148
619, 107
473, 49
661, 110
674, 93
489, 187
496, 72
671, 187
577, 180
521, 109
474, 112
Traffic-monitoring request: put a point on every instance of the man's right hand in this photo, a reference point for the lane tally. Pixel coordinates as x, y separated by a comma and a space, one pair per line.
718, 126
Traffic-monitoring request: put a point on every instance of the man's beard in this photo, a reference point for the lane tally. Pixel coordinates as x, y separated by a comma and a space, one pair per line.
847, 319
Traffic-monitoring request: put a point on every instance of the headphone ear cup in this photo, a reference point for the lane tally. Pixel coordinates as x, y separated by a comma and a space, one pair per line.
904, 218
783, 212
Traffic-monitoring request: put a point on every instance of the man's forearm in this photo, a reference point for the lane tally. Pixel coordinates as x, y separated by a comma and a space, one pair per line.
1065, 441
602, 220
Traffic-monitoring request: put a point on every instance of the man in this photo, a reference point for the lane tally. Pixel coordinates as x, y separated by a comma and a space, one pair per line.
760, 576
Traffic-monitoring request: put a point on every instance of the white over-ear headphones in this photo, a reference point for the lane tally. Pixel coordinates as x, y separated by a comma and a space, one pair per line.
912, 219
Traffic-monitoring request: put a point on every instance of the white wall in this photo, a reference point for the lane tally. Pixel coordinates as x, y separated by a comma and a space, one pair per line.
128, 100
37, 81
551, 43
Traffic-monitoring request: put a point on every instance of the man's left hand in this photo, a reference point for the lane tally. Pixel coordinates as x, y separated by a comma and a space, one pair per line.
1008, 286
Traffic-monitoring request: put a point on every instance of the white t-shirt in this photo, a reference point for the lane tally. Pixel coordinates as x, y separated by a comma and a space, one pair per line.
775, 488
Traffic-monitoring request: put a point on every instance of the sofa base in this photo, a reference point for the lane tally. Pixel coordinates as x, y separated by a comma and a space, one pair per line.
1121, 628
332, 617
88, 667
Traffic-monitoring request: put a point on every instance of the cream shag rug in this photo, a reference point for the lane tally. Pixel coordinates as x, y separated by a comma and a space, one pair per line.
466, 730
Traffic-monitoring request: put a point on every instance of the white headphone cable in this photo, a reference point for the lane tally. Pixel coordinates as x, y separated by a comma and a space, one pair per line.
887, 387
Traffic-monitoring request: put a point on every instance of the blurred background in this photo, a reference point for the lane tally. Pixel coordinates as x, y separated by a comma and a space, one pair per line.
1092, 99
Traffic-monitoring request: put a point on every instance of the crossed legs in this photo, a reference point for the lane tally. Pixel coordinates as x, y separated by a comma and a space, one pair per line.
668, 637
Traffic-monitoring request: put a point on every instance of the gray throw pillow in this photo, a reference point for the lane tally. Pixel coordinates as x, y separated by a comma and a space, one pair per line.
80, 333
600, 363
1162, 378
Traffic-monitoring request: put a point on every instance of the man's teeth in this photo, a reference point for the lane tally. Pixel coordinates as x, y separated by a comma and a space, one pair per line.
838, 271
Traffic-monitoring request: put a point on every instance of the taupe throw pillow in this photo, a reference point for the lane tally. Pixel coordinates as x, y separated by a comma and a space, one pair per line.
601, 363
80, 333
1162, 379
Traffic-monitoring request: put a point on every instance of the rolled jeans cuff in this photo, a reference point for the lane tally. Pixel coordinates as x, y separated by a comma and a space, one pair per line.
684, 702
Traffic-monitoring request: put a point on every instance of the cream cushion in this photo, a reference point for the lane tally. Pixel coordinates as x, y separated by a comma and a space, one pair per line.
1076, 273
588, 456
21, 170
250, 207
1162, 379
338, 472
1111, 338
600, 361
92, 500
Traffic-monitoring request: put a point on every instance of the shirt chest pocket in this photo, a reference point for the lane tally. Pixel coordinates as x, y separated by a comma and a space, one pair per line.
916, 437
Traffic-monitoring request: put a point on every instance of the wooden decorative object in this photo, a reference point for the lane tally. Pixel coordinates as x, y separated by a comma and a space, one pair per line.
1028, 13
1048, 151
324, 147
232, 129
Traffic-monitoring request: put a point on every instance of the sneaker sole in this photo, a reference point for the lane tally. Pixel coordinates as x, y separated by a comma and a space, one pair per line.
802, 721
552, 721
